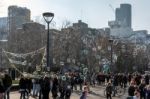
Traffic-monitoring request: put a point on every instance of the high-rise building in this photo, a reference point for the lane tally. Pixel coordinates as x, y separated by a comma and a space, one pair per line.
121, 26
123, 15
17, 16
3, 28
3, 22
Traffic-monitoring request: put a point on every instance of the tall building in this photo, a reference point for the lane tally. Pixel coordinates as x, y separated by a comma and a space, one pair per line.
17, 16
3, 22
121, 26
3, 28
123, 15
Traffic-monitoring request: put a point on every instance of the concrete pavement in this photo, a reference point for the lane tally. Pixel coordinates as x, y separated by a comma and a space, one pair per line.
16, 95
97, 93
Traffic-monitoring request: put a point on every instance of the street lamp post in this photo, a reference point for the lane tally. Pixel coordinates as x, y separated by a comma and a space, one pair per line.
124, 50
48, 17
111, 56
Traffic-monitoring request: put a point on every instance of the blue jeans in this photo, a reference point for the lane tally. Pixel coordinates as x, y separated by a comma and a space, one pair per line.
36, 89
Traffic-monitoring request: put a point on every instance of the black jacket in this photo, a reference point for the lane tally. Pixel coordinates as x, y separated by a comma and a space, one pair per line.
131, 90
2, 90
22, 83
7, 81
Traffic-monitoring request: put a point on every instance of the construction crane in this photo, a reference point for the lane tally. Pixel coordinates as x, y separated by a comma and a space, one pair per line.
112, 8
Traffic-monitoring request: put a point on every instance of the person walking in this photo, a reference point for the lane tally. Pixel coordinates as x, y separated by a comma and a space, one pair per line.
22, 85
33, 87
109, 89
2, 90
115, 83
131, 89
29, 85
41, 80
45, 88
147, 78
7, 81
68, 92
55, 88
142, 89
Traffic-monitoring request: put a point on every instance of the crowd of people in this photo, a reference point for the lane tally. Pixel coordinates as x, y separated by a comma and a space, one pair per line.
59, 85
138, 85
62, 85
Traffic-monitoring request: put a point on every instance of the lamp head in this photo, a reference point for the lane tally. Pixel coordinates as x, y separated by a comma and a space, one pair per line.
110, 40
48, 16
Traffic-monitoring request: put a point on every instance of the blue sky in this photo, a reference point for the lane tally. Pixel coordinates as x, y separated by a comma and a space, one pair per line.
96, 13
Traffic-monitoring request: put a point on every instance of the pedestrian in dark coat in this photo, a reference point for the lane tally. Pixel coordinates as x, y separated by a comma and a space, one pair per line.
45, 88
7, 81
22, 85
72, 82
131, 89
125, 81
142, 89
41, 80
147, 79
62, 91
29, 85
55, 88
68, 92
109, 89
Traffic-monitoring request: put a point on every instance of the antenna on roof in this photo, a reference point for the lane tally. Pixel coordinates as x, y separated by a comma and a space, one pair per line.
81, 16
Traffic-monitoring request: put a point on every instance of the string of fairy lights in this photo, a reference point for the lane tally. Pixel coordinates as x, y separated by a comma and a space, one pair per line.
12, 58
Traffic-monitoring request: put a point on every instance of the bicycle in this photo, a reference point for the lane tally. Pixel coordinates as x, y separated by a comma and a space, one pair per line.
118, 91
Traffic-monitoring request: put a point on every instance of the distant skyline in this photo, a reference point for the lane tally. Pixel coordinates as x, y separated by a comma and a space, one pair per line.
96, 13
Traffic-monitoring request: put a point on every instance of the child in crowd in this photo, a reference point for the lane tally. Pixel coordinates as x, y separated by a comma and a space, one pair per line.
84, 93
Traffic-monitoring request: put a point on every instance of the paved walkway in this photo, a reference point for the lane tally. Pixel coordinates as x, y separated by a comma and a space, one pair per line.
16, 95
97, 93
